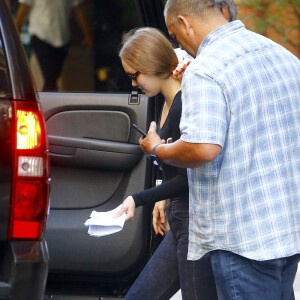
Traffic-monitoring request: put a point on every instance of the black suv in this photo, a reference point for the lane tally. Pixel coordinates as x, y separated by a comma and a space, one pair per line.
24, 173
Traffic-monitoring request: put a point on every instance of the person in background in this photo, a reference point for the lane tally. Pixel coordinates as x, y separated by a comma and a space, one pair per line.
50, 33
149, 60
240, 137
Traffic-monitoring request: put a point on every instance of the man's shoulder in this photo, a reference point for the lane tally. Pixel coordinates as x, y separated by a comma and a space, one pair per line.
234, 50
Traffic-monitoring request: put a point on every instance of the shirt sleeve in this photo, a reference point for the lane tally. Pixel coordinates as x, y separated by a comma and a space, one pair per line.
174, 187
205, 115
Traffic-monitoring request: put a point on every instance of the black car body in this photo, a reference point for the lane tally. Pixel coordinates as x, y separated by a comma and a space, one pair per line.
24, 173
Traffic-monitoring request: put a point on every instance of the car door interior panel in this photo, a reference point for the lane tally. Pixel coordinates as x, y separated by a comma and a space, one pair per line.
96, 162
94, 124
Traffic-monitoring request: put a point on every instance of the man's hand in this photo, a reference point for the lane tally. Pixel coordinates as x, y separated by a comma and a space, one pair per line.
128, 207
159, 218
150, 140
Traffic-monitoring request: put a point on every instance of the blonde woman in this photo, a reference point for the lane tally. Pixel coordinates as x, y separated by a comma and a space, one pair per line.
149, 60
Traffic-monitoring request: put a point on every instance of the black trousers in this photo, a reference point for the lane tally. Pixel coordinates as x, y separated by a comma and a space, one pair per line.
51, 60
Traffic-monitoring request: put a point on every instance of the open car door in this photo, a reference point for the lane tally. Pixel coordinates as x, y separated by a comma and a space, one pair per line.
96, 161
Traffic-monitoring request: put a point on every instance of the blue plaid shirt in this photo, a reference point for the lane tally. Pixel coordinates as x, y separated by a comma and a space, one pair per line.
242, 92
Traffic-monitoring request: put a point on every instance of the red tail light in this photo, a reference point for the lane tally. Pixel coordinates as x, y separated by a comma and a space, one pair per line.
30, 178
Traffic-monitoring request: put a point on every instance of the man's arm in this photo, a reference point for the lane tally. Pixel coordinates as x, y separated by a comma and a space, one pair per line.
84, 25
22, 12
179, 153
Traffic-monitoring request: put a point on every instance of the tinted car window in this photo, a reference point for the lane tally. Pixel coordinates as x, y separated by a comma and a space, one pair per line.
98, 68
4, 91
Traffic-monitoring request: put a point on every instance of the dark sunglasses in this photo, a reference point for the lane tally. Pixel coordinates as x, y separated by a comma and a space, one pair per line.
133, 76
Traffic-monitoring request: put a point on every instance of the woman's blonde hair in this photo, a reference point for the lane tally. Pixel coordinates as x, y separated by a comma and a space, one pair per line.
149, 51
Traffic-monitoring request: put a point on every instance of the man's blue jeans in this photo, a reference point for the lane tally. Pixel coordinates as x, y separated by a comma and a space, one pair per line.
239, 278
168, 270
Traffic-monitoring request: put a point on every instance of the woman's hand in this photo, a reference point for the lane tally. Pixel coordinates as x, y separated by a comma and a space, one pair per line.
128, 207
159, 218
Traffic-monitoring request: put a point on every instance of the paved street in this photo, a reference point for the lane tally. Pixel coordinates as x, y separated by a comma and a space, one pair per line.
175, 297
296, 288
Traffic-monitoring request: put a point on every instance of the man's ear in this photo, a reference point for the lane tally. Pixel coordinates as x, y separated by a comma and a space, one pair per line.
183, 21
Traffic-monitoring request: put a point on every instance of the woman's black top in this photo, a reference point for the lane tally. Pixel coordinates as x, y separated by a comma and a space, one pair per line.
175, 182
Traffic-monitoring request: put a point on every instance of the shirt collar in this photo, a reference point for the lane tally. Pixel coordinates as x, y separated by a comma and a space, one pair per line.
226, 29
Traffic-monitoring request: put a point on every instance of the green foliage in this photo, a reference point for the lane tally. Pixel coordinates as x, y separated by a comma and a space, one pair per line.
270, 18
